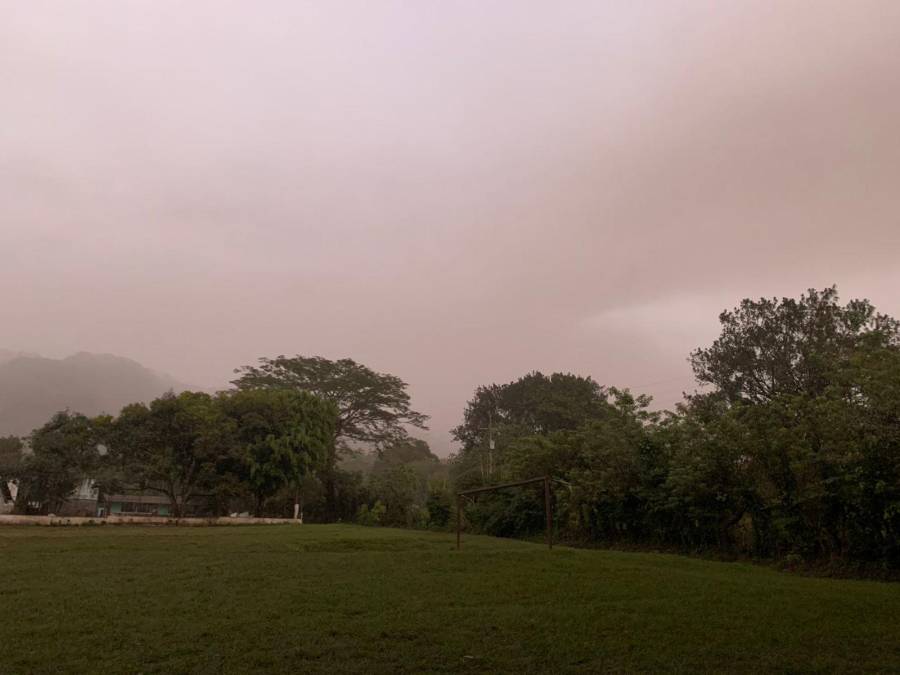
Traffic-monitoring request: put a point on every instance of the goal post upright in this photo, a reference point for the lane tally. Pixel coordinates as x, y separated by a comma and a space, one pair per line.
547, 508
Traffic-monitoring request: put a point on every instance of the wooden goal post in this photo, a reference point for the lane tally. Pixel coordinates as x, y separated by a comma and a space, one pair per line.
547, 508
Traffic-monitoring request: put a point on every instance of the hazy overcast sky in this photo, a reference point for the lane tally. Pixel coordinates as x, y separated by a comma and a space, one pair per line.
454, 192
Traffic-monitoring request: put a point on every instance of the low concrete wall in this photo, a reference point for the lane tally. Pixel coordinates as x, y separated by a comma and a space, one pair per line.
141, 520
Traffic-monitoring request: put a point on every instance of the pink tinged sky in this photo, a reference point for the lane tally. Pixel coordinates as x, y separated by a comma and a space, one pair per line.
455, 192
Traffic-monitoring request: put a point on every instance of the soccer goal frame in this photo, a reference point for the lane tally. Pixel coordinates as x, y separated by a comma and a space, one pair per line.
493, 488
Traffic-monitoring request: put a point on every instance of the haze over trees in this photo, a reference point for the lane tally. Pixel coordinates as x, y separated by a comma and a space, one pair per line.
373, 409
791, 449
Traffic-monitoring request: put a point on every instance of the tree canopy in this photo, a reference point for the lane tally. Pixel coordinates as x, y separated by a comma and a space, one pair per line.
63, 453
372, 408
280, 435
174, 446
10, 457
793, 450
771, 347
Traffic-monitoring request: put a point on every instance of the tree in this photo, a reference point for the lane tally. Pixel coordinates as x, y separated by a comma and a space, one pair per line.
372, 408
805, 409
439, 504
770, 347
412, 452
533, 404
399, 489
281, 436
63, 453
10, 457
175, 446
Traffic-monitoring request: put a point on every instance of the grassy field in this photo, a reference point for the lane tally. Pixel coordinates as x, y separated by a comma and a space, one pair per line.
338, 598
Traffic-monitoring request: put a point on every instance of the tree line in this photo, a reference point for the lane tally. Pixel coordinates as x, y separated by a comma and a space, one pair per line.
789, 448
270, 446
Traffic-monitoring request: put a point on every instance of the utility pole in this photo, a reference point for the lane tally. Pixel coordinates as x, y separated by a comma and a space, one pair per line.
490, 447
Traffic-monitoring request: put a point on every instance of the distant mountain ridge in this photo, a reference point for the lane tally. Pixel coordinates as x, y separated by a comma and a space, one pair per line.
33, 387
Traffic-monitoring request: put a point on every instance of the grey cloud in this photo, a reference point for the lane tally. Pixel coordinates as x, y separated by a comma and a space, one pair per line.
454, 192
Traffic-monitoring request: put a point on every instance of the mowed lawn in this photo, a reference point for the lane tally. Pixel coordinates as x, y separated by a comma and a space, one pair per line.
340, 598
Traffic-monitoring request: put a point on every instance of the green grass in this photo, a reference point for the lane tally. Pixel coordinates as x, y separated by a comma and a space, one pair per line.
338, 598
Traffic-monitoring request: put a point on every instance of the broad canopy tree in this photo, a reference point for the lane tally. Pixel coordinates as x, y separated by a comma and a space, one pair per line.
174, 446
372, 408
533, 404
772, 347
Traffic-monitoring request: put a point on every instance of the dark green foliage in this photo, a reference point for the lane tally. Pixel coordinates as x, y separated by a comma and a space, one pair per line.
176, 446
409, 451
279, 436
795, 451
439, 504
10, 458
403, 487
399, 489
372, 408
770, 348
63, 452
535, 403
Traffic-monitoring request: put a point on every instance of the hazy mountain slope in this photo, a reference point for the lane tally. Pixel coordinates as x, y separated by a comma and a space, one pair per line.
8, 355
32, 388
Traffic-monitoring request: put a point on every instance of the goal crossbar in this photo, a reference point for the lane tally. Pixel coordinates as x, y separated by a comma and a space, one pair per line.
491, 488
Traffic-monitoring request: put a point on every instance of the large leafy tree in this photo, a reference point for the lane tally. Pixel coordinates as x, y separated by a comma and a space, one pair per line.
63, 453
372, 408
771, 347
410, 452
801, 424
174, 446
533, 404
281, 436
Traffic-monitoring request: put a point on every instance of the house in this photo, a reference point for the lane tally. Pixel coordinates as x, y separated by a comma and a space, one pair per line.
135, 505
139, 503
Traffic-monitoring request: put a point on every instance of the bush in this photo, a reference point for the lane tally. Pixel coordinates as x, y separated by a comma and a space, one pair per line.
371, 517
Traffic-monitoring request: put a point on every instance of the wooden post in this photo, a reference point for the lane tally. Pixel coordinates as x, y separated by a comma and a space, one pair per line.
548, 512
458, 519
548, 509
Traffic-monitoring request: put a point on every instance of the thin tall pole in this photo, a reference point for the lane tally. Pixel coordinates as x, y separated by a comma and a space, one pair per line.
458, 519
548, 512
